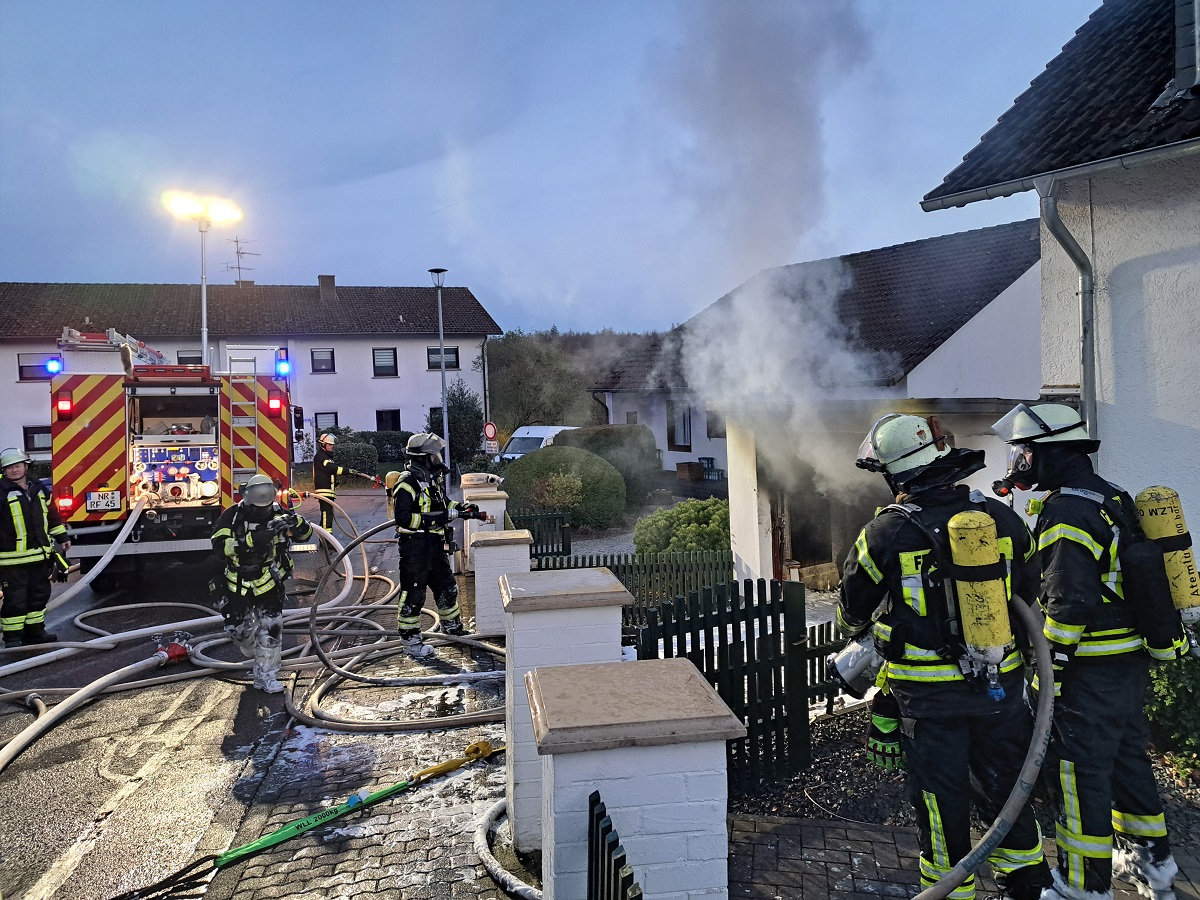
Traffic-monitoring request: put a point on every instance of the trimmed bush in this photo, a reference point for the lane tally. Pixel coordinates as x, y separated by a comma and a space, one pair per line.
558, 492
629, 449
1173, 706
359, 456
388, 444
690, 525
603, 502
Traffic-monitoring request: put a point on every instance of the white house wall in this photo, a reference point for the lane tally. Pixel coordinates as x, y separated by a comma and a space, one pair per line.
997, 353
651, 411
1141, 228
749, 508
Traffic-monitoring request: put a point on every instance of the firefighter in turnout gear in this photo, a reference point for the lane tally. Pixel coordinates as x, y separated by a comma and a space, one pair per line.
423, 513
29, 528
953, 721
251, 544
325, 476
1110, 818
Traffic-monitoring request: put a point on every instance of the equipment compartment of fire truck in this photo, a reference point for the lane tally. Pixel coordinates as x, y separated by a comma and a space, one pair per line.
177, 438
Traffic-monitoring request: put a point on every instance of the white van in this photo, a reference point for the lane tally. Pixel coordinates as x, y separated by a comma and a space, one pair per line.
529, 438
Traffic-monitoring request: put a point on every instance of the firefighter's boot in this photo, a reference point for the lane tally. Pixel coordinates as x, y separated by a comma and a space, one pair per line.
268, 654
37, 634
1151, 874
454, 626
1060, 890
415, 646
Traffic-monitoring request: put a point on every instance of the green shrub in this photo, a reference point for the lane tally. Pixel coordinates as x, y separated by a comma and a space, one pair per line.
388, 444
603, 503
690, 525
558, 491
629, 449
359, 456
1173, 706
39, 468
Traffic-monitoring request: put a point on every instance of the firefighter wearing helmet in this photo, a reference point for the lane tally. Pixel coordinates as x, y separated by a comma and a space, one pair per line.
423, 512
251, 546
1110, 818
325, 476
947, 724
29, 528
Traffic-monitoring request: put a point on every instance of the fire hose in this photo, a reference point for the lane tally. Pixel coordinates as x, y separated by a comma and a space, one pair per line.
104, 560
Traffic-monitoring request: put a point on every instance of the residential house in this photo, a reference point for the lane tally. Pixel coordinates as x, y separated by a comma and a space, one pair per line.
782, 378
1109, 136
364, 357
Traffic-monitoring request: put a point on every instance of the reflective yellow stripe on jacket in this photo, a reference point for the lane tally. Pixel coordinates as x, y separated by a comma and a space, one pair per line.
22, 553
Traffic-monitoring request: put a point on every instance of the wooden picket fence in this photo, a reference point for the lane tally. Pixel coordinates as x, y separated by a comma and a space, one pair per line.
652, 578
551, 531
609, 876
738, 638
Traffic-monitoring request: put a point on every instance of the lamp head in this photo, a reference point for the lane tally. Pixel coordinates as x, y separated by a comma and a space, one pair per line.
439, 276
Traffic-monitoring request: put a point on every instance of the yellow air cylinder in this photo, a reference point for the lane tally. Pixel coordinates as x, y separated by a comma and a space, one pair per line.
389, 483
983, 604
1162, 518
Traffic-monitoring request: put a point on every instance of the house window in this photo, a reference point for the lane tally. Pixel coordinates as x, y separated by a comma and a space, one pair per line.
679, 426
631, 417
714, 423
38, 366
322, 360
324, 421
387, 420
189, 358
37, 438
435, 359
383, 360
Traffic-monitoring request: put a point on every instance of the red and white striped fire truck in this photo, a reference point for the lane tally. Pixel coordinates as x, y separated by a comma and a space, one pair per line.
128, 427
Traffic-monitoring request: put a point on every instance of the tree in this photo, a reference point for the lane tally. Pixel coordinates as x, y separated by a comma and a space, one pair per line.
464, 412
533, 382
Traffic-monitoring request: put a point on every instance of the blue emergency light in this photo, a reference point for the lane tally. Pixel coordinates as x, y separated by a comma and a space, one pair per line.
283, 368
54, 365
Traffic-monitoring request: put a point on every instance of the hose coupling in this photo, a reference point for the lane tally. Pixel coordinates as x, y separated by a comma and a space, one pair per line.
173, 652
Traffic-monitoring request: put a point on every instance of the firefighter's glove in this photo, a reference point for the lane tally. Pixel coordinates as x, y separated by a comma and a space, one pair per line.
230, 551
883, 735
436, 519
59, 567
469, 511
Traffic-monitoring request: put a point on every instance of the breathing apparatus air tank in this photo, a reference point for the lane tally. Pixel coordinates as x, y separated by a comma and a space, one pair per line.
982, 596
1162, 521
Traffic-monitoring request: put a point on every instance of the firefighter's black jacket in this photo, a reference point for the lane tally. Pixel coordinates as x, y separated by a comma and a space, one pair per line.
893, 561
29, 523
415, 499
325, 472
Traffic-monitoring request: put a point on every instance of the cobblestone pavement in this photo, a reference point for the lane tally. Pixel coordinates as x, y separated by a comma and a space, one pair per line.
779, 859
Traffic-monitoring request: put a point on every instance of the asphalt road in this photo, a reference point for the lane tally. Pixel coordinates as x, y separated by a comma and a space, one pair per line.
132, 786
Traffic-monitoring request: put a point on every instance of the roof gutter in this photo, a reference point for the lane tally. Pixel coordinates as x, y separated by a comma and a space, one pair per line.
1181, 150
1047, 189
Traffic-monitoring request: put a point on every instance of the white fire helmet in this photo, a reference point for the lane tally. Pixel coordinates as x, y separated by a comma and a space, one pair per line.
259, 490
11, 456
327, 440
1042, 423
899, 443
426, 444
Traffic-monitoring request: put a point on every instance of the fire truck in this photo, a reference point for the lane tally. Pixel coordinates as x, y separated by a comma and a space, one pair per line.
129, 428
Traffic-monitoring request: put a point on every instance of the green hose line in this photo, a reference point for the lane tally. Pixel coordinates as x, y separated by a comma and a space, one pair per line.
478, 750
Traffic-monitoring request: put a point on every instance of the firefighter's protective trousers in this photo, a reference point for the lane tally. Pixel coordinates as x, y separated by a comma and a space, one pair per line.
256, 625
424, 564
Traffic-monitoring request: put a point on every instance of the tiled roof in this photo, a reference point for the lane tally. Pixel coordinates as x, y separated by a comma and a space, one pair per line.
1095, 101
35, 310
903, 302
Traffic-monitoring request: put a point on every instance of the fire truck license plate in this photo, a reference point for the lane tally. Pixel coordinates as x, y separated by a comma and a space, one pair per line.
103, 500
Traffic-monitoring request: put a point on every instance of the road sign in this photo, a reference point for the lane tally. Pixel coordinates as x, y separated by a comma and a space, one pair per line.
489, 431
491, 447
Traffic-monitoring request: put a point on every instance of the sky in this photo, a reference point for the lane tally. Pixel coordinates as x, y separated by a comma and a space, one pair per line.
583, 165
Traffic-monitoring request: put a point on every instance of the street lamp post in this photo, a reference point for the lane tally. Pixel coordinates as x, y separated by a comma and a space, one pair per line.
439, 276
205, 211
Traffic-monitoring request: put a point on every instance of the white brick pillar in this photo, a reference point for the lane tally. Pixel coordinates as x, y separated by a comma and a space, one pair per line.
490, 501
650, 737
554, 618
495, 554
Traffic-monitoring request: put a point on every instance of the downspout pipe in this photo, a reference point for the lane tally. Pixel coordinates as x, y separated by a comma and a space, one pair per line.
1048, 192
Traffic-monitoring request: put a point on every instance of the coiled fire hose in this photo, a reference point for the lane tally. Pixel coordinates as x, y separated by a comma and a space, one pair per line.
194, 876
1027, 777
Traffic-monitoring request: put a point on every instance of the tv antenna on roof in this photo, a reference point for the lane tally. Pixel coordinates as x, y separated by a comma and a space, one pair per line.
237, 266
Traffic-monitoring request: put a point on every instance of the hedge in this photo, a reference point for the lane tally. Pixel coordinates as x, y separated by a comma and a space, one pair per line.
388, 444
630, 449
603, 501
690, 525
356, 455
